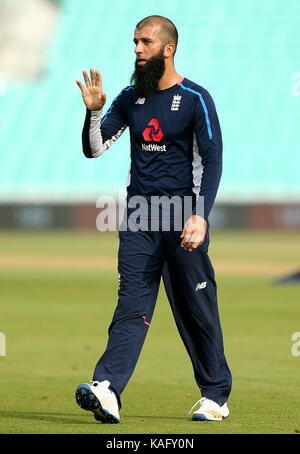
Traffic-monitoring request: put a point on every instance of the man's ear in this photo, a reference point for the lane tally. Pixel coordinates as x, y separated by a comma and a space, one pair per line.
169, 50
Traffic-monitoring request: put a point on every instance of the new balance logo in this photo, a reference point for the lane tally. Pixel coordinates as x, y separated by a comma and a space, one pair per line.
201, 285
176, 102
141, 101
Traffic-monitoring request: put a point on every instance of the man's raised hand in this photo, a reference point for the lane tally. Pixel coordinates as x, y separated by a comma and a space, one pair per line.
93, 96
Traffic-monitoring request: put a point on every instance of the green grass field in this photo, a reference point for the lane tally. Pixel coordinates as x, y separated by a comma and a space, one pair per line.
58, 292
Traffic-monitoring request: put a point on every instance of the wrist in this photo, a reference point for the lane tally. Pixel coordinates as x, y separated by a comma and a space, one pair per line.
95, 113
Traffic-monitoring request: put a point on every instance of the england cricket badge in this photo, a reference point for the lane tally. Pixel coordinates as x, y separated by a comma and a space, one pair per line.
176, 102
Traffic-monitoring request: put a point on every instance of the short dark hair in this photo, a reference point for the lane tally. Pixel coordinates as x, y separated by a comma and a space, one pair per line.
169, 33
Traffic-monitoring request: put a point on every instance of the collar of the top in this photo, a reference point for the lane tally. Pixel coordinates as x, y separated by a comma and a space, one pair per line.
166, 90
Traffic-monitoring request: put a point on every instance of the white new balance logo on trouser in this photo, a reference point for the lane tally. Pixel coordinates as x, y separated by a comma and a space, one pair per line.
200, 286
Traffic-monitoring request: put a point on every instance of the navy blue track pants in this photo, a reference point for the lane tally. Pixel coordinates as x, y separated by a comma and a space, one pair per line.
145, 256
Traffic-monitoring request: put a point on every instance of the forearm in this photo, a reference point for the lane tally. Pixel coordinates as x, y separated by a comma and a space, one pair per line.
209, 187
94, 140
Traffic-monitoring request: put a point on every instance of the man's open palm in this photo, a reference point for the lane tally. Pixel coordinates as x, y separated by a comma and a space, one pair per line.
93, 96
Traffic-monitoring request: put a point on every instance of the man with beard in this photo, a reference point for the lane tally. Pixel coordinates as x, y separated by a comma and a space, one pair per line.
176, 152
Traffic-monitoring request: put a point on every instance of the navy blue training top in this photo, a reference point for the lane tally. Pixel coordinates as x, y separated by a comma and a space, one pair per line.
175, 137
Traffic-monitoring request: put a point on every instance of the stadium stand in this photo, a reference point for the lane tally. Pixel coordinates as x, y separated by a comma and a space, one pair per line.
244, 52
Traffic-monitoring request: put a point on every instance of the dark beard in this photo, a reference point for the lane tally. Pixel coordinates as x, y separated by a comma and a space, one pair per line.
145, 78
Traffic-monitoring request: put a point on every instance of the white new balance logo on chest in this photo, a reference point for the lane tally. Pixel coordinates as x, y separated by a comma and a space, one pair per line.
141, 101
176, 102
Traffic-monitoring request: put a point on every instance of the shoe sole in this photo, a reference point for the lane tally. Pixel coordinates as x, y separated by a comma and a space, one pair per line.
204, 418
87, 400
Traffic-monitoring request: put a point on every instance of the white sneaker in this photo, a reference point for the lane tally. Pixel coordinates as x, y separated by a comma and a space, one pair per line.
99, 399
209, 411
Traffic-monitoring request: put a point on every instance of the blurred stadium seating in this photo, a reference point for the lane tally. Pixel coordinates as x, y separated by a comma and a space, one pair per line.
246, 53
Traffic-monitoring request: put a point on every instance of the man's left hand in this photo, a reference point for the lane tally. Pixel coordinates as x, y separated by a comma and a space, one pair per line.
193, 233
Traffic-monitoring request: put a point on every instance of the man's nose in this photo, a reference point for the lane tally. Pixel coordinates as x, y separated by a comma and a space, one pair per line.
138, 48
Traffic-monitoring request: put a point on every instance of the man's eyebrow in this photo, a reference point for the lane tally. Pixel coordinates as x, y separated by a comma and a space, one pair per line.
142, 39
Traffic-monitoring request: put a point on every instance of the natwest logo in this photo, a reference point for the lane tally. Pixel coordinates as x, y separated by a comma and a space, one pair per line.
153, 131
